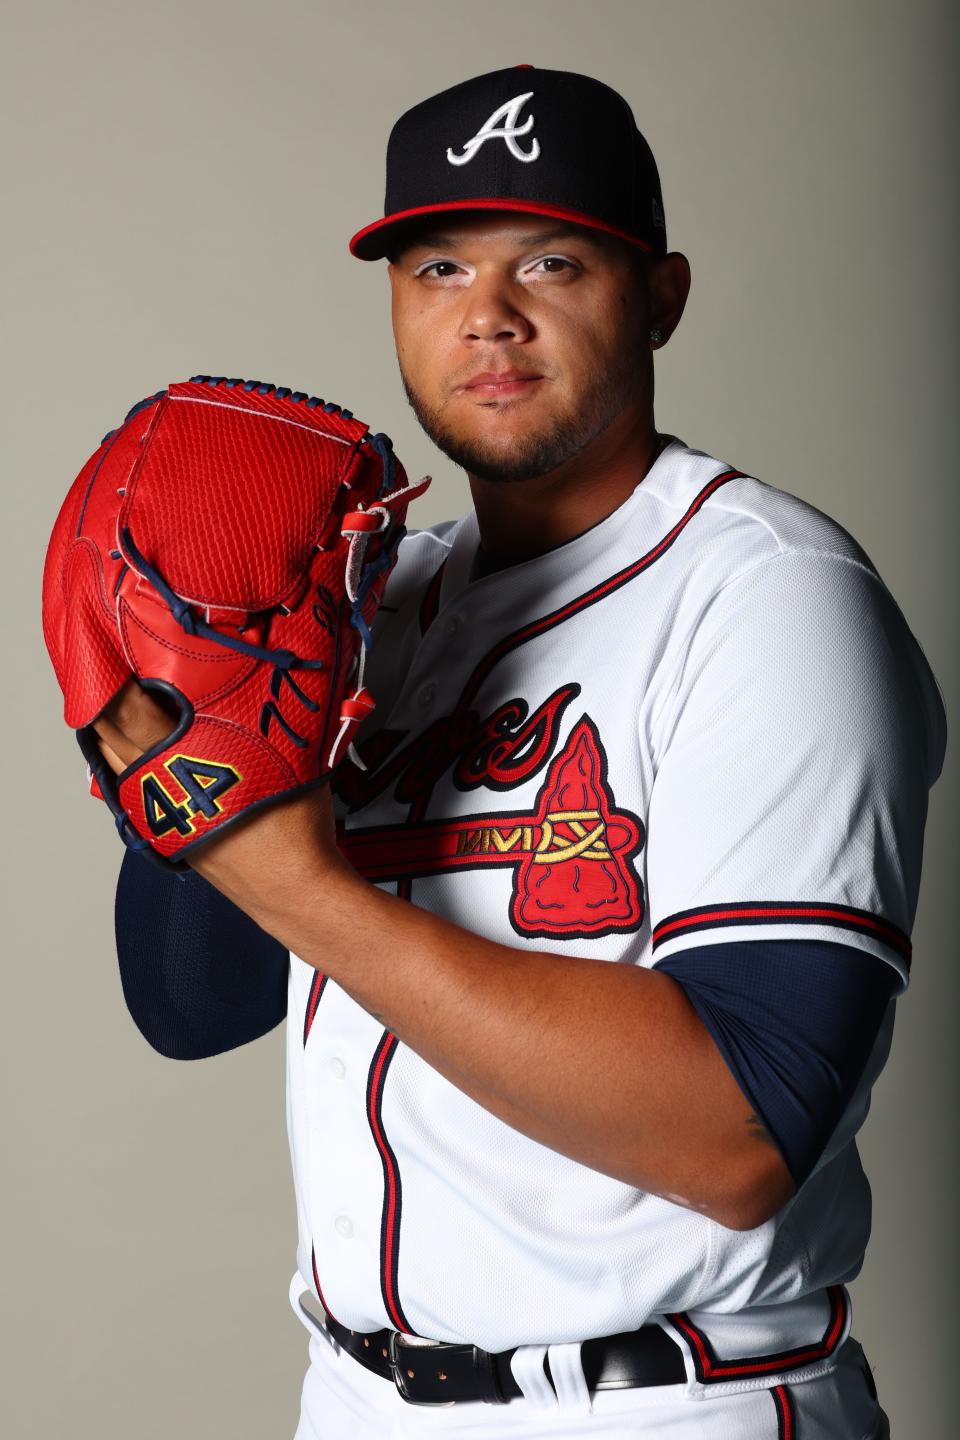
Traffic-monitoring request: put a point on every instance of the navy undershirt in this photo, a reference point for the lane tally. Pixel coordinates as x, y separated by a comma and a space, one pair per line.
795, 1020
199, 976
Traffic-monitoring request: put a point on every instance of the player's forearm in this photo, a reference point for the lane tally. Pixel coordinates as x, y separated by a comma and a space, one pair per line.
606, 1063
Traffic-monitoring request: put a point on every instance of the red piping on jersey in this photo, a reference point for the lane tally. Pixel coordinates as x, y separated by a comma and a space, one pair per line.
783, 1400
710, 1370
390, 1226
589, 597
774, 911
392, 1196
313, 1000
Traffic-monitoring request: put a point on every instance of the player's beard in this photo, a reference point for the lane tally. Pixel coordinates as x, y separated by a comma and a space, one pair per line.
539, 451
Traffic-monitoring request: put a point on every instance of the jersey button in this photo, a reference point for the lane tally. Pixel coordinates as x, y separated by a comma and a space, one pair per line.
343, 1226
453, 625
427, 696
337, 1067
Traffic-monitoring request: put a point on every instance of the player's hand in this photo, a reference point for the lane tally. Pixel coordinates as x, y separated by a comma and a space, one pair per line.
291, 838
132, 723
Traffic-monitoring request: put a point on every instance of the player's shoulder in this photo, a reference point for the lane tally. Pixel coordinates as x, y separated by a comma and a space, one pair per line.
743, 520
770, 566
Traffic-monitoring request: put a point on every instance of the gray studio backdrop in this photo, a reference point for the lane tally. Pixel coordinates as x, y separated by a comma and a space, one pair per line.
181, 180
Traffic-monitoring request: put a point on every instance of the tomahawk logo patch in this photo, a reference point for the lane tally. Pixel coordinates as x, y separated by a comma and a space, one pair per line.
575, 878
503, 124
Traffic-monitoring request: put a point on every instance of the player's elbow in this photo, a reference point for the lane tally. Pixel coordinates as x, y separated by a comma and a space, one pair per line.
753, 1192
748, 1214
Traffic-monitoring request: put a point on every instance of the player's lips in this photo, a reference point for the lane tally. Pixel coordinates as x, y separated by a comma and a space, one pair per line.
499, 384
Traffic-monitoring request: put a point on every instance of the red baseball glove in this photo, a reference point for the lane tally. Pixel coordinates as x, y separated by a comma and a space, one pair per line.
227, 546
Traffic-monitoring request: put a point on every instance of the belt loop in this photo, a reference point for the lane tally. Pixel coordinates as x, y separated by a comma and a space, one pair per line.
566, 1368
526, 1363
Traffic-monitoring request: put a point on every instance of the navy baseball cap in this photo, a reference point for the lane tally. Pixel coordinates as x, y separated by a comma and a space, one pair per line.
547, 142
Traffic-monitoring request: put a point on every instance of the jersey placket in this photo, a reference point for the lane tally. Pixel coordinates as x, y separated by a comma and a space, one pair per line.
444, 612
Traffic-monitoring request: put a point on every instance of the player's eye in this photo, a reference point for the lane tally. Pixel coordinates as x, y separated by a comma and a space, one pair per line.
438, 270
551, 265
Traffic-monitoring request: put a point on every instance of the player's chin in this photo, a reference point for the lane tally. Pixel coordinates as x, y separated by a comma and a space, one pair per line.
504, 425
506, 459
505, 434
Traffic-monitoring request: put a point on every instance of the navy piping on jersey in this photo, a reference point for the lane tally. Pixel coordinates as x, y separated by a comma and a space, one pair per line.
786, 1414
564, 612
391, 1203
710, 1370
316, 1281
594, 594
782, 912
317, 985
392, 1189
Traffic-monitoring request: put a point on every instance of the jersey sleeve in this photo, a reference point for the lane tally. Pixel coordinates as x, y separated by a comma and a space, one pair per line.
793, 762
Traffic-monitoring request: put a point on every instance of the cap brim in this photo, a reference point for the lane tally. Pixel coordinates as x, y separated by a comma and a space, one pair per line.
376, 241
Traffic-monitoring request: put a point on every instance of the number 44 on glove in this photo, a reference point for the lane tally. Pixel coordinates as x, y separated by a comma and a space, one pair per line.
227, 547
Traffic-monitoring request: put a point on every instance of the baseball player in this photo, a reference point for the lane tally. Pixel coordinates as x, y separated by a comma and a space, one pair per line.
594, 948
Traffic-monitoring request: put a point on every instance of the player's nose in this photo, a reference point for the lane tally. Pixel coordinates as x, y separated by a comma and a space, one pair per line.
493, 310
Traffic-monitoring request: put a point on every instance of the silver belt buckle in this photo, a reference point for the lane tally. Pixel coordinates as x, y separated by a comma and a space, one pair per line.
400, 1377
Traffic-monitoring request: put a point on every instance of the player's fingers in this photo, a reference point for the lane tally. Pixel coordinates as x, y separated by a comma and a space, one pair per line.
118, 749
132, 723
111, 757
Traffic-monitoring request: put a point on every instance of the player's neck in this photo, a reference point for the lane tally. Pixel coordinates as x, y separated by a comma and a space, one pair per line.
521, 519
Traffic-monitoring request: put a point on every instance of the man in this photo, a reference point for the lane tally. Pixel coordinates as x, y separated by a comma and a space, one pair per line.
650, 760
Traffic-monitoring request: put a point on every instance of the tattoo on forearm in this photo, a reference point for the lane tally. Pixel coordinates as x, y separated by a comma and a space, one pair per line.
759, 1131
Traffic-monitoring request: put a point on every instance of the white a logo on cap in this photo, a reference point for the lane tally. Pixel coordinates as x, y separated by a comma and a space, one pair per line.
507, 130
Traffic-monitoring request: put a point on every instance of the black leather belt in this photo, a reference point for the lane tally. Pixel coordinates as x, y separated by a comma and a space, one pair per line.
441, 1374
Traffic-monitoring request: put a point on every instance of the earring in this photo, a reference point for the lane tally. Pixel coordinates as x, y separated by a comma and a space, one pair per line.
656, 335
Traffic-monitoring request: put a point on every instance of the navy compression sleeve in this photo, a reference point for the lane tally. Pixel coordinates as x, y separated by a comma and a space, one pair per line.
795, 1021
199, 976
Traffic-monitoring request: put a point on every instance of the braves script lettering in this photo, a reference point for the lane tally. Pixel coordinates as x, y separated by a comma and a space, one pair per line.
499, 752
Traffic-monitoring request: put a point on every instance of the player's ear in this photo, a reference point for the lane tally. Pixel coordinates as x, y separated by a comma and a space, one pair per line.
668, 277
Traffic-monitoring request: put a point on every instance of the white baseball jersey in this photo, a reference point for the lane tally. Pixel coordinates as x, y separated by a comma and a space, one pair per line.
702, 721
